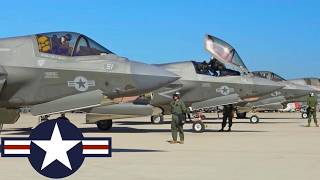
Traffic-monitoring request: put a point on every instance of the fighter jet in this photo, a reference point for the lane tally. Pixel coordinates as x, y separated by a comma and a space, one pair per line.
225, 80
313, 83
63, 71
291, 92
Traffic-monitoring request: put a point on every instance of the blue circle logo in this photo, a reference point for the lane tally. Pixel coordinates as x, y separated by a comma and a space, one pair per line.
56, 148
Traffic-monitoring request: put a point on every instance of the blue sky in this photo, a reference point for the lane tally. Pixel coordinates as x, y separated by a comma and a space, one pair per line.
281, 36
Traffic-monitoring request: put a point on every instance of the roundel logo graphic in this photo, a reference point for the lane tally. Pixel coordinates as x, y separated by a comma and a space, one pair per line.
81, 83
56, 153
56, 148
225, 90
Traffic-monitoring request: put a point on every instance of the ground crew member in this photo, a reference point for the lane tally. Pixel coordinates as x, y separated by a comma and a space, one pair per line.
228, 113
312, 109
178, 111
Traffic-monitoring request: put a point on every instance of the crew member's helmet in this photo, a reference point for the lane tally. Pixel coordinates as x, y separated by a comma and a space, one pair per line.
68, 37
176, 94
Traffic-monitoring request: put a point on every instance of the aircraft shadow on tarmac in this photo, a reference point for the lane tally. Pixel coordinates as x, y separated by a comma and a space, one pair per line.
26, 131
141, 130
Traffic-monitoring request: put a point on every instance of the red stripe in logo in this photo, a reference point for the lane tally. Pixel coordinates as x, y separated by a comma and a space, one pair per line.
95, 147
16, 146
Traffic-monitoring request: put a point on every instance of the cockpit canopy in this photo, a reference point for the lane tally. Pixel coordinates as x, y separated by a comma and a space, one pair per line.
268, 75
224, 52
69, 44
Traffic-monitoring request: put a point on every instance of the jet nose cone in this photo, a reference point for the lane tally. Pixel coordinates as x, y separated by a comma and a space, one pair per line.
266, 86
150, 77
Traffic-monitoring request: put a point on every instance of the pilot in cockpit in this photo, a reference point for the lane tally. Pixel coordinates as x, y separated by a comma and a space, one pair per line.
65, 47
216, 67
61, 45
213, 64
204, 68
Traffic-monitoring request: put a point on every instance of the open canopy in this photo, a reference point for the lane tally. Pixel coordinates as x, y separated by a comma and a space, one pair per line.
223, 52
268, 75
69, 44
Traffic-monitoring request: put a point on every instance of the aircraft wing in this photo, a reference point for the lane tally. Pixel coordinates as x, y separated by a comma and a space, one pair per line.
117, 111
268, 102
275, 106
70, 103
219, 101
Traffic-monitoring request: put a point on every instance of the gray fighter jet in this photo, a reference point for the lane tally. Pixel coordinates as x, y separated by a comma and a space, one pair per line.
64, 71
315, 84
312, 82
292, 92
225, 80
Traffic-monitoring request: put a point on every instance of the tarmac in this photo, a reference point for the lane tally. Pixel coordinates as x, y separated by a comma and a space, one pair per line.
280, 147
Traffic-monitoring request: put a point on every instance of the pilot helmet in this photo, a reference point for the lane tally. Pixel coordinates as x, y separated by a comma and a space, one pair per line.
68, 37
311, 94
176, 94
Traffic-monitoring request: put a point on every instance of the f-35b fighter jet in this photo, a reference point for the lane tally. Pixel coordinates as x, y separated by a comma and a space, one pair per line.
292, 92
64, 71
224, 80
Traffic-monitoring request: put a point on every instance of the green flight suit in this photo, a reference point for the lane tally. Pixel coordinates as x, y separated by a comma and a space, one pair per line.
312, 109
177, 108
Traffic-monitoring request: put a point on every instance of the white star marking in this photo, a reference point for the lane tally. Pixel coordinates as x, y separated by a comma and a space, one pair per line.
56, 149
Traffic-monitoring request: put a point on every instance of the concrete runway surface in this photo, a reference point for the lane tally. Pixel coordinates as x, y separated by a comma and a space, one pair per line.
278, 148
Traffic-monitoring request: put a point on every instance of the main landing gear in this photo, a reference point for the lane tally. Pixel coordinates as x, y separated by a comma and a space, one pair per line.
254, 119
241, 115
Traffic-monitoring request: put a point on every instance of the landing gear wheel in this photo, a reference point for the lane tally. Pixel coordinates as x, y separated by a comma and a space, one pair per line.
158, 119
198, 127
304, 115
242, 115
104, 125
254, 119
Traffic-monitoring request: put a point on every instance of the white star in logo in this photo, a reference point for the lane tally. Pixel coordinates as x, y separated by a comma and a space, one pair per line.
56, 148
